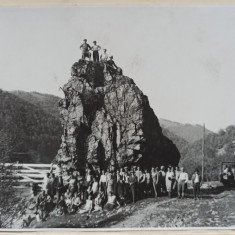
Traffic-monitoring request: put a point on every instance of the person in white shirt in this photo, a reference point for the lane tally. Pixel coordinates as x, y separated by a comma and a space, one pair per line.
46, 183
98, 203
155, 178
182, 181
122, 173
138, 174
103, 182
170, 179
104, 56
225, 176
95, 188
95, 48
177, 174
88, 207
112, 202
108, 175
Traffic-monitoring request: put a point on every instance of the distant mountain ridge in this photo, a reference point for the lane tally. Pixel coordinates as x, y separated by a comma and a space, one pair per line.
188, 132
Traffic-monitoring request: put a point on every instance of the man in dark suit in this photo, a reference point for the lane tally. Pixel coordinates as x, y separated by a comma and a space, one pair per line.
133, 182
196, 180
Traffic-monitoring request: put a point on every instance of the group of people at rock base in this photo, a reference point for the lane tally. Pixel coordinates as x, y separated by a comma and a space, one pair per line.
104, 190
227, 177
93, 50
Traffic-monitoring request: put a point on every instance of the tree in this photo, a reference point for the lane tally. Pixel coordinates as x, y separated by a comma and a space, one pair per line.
10, 200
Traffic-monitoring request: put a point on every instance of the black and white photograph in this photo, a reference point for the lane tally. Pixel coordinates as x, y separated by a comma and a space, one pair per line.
117, 117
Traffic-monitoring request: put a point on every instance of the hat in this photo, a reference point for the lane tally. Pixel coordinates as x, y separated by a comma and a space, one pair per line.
111, 57
94, 41
84, 40
125, 167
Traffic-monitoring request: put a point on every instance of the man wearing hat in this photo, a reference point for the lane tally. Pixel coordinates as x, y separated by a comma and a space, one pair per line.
95, 48
85, 47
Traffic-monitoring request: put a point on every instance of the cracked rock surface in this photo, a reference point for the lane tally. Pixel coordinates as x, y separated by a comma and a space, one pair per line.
107, 120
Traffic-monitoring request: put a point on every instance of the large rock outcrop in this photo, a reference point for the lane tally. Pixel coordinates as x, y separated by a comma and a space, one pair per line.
107, 121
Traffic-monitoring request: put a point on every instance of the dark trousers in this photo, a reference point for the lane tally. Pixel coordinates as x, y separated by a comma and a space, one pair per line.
133, 191
141, 190
126, 190
157, 189
109, 206
181, 188
104, 188
196, 190
59, 193
148, 189
95, 56
86, 54
163, 185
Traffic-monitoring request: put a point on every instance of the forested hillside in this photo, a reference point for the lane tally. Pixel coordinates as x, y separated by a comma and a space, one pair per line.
34, 133
31, 122
49, 103
188, 132
219, 147
177, 140
191, 155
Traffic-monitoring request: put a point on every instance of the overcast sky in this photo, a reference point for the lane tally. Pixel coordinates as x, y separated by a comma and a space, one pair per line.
182, 58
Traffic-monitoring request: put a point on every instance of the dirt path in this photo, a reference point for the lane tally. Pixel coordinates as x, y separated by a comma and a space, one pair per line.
213, 211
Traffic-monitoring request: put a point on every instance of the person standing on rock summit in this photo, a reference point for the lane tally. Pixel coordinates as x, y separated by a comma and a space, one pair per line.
95, 48
104, 56
85, 47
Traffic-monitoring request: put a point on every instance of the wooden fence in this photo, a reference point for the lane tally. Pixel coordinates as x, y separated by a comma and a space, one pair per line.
30, 173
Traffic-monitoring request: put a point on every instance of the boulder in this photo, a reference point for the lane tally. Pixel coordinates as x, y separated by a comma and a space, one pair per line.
107, 120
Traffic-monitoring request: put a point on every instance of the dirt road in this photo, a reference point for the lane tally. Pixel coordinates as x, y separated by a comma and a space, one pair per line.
214, 211
211, 211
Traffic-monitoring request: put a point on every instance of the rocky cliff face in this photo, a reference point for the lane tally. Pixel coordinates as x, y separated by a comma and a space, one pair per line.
107, 121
